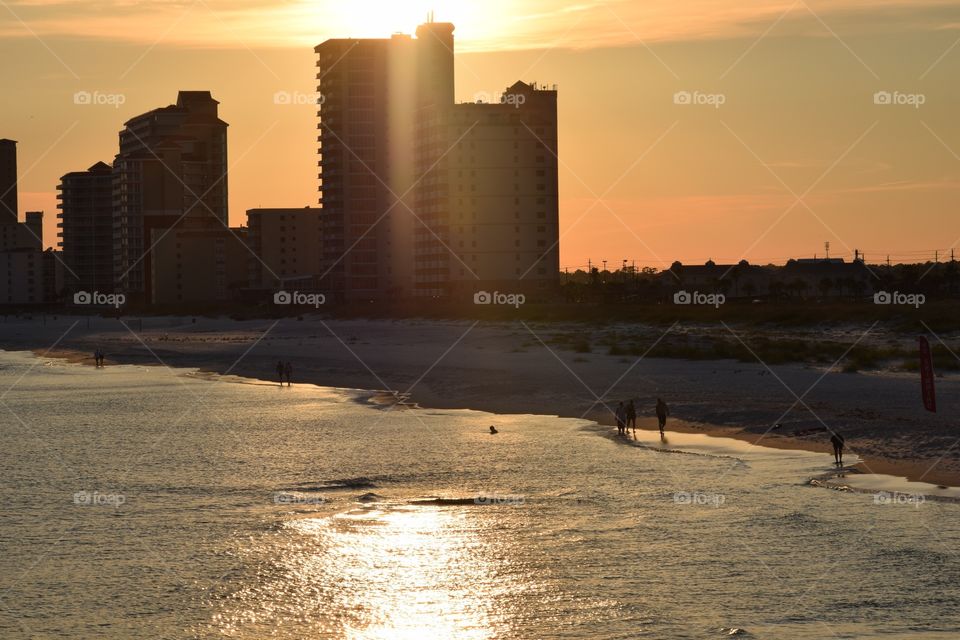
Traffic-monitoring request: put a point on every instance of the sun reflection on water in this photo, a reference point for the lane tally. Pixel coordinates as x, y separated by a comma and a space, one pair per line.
403, 572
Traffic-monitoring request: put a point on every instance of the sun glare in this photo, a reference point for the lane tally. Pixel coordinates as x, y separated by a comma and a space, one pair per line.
381, 18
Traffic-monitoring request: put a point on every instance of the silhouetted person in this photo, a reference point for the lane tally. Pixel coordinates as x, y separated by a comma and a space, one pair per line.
662, 412
280, 371
493, 429
288, 371
621, 416
837, 441
632, 416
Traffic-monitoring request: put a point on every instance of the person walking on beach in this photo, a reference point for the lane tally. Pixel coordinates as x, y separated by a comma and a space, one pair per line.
280, 371
662, 412
837, 441
621, 419
632, 416
288, 370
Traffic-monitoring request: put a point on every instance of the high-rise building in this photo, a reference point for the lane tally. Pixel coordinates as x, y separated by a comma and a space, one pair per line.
489, 203
8, 182
422, 197
372, 91
21, 243
86, 228
285, 248
15, 235
171, 170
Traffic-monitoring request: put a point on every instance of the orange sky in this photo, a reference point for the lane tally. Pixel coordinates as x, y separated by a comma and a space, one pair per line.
781, 148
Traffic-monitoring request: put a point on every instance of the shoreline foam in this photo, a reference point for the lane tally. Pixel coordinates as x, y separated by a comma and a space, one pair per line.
507, 368
895, 479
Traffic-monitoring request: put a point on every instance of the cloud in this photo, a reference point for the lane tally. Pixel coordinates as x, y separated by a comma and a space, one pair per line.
497, 25
905, 185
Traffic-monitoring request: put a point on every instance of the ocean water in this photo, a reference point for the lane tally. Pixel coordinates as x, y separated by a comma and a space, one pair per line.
141, 502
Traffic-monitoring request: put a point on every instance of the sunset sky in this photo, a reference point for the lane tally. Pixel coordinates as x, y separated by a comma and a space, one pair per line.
788, 148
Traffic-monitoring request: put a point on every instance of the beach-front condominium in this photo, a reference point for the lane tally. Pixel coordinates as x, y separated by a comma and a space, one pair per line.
488, 197
422, 197
86, 228
21, 243
8, 182
372, 90
171, 170
284, 249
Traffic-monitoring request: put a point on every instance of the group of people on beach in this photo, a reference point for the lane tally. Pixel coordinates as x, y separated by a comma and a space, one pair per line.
284, 371
98, 357
626, 416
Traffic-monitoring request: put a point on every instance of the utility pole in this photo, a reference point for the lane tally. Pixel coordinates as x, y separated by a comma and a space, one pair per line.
826, 245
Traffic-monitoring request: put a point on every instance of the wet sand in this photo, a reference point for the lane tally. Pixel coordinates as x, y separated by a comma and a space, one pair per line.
517, 368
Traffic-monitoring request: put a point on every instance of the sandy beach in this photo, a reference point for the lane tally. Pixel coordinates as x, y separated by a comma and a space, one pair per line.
529, 368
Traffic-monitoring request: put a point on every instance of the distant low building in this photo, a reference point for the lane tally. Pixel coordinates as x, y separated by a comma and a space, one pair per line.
733, 280
22, 263
827, 277
285, 248
198, 264
804, 277
21, 277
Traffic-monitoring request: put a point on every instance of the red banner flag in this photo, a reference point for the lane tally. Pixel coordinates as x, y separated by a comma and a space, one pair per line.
926, 376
